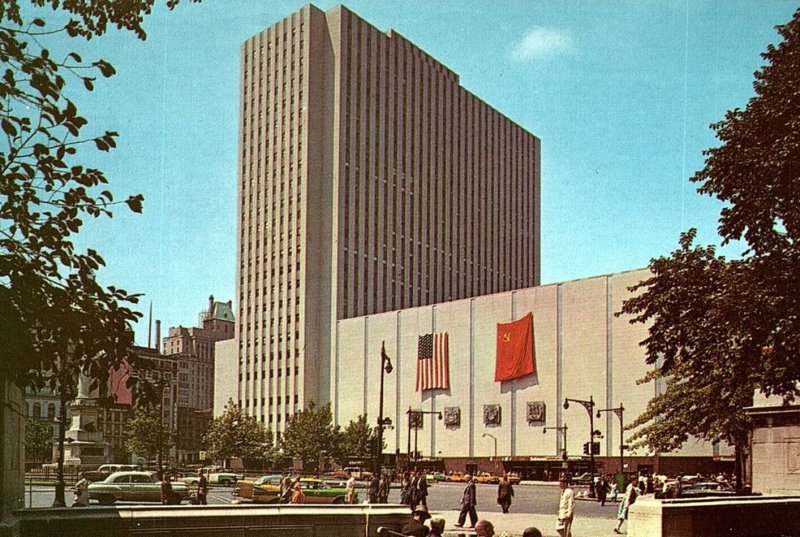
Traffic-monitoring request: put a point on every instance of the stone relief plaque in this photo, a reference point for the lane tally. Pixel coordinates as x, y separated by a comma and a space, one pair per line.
536, 413
452, 417
491, 415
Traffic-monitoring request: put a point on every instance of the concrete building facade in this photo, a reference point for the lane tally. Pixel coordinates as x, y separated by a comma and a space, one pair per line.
370, 181
581, 349
193, 349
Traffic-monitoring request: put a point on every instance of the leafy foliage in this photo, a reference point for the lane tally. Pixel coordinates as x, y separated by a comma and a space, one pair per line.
38, 440
702, 315
756, 171
236, 434
720, 330
142, 432
358, 438
55, 319
309, 433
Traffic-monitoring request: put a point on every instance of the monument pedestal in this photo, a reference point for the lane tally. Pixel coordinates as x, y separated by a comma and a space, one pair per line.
84, 445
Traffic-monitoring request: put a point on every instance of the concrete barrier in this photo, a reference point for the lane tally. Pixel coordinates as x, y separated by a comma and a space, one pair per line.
213, 521
745, 516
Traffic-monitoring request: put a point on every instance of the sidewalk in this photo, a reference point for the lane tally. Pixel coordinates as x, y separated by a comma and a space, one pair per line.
515, 523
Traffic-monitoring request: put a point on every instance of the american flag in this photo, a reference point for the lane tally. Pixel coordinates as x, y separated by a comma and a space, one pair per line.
433, 362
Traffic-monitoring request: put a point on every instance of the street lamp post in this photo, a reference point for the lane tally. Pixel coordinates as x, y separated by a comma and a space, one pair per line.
386, 368
417, 414
493, 437
589, 406
619, 412
160, 439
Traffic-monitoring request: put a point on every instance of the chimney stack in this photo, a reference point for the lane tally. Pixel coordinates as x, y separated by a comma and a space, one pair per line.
158, 337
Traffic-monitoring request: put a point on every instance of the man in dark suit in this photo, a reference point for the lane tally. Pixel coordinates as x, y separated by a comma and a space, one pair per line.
422, 489
416, 527
468, 503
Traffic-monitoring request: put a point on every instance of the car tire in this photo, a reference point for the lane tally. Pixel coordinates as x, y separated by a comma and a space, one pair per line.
339, 500
106, 499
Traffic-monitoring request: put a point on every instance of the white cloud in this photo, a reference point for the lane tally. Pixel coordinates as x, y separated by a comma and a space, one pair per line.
540, 42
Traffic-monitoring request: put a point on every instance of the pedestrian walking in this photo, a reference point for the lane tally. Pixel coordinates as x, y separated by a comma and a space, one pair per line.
350, 488
566, 509
297, 493
468, 504
421, 489
202, 488
631, 493
602, 490
166, 489
286, 489
383, 489
81, 491
374, 484
505, 491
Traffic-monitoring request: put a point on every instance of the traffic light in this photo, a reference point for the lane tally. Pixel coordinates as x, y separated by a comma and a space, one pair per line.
586, 448
595, 448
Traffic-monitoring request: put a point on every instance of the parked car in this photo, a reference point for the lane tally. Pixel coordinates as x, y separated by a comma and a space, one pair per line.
513, 478
315, 490
487, 478
454, 477
214, 478
584, 479
105, 470
703, 489
244, 487
358, 473
134, 487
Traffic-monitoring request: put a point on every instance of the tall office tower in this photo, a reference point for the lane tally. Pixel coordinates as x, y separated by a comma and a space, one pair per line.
370, 181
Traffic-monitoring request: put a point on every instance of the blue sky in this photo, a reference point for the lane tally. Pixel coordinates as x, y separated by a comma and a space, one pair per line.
621, 94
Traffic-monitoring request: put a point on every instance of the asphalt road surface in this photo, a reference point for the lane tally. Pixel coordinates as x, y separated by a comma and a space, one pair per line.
534, 499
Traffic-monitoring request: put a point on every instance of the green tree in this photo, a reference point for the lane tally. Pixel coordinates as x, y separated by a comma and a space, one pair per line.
755, 171
38, 440
358, 438
701, 314
142, 432
55, 318
236, 434
720, 330
310, 433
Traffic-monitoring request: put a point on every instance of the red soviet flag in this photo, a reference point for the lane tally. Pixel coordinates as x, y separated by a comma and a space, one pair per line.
515, 349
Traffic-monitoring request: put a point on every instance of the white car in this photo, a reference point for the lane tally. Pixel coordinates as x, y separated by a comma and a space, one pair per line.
214, 478
134, 487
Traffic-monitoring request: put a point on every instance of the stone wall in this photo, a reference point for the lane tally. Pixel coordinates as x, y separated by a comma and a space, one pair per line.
214, 520
747, 516
12, 458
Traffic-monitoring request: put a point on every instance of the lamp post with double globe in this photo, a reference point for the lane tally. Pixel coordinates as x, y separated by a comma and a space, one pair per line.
386, 369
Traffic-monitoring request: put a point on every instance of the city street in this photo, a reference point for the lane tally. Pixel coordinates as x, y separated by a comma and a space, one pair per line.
533, 499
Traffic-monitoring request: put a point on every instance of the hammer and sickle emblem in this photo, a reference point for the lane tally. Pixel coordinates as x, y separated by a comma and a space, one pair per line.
506, 337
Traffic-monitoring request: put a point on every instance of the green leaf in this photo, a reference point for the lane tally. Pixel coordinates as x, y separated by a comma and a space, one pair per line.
135, 203
9, 128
